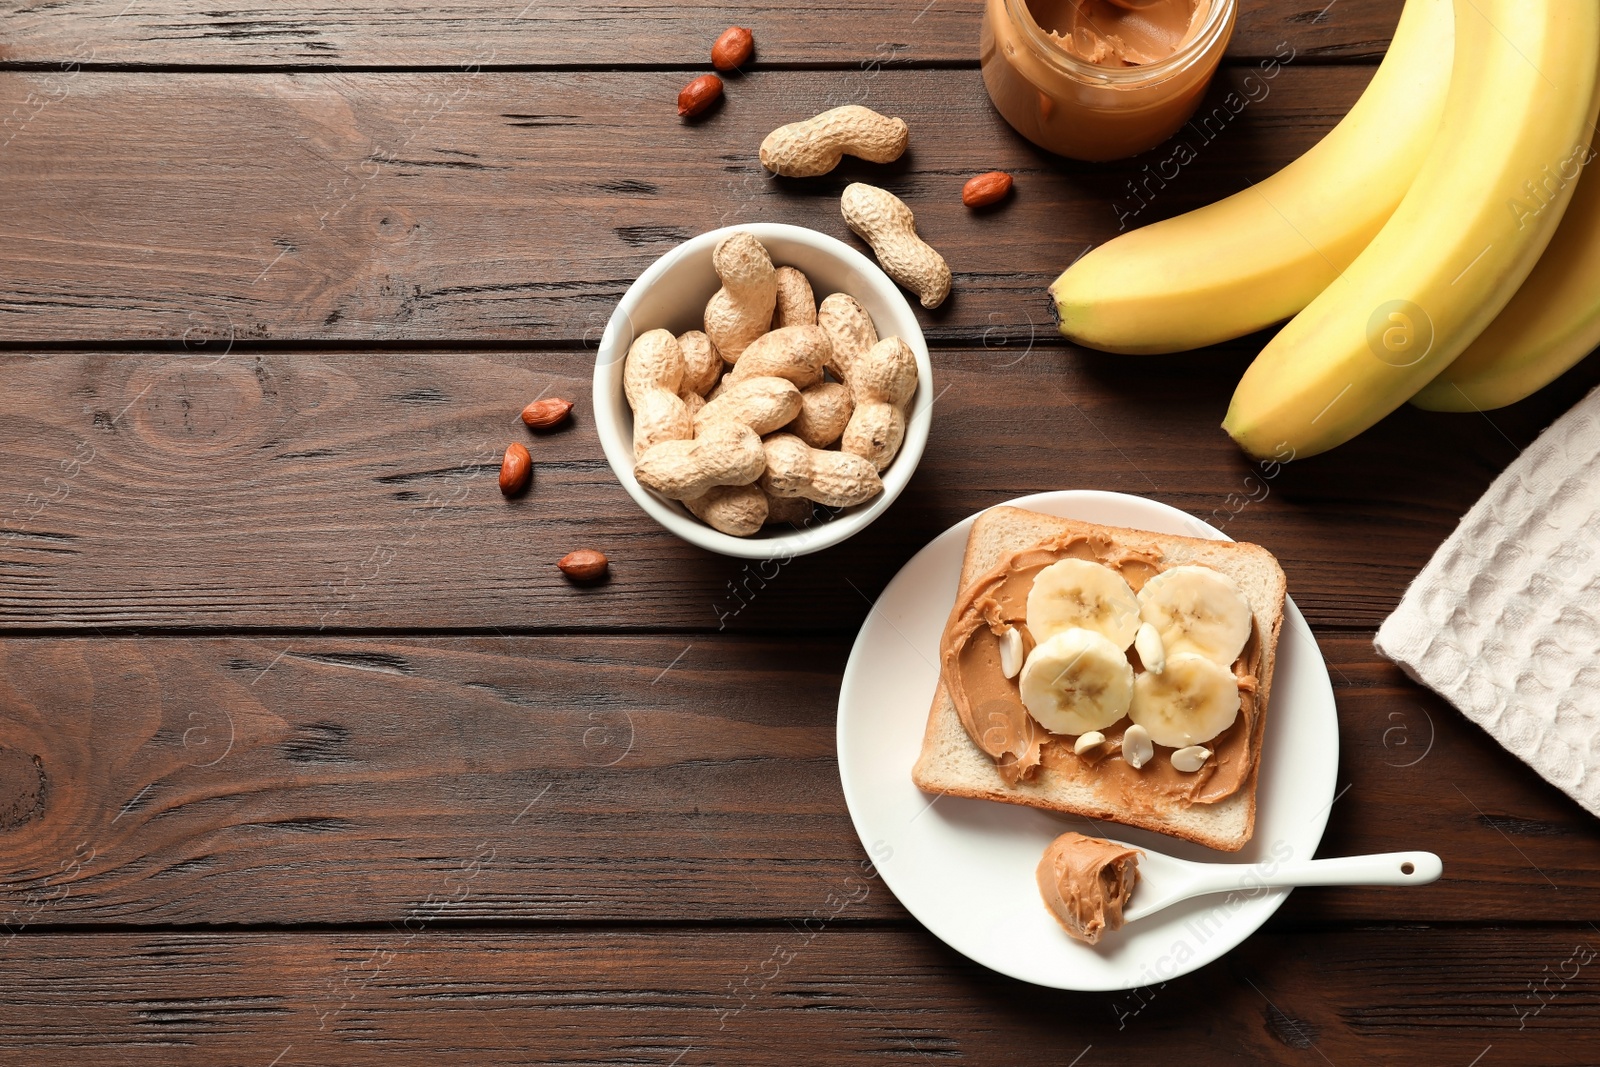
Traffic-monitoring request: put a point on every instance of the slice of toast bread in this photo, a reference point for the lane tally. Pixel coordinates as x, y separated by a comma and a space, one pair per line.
951, 763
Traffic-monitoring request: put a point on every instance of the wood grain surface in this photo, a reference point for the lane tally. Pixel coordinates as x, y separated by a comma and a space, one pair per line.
455, 33
356, 489
428, 991
503, 206
610, 779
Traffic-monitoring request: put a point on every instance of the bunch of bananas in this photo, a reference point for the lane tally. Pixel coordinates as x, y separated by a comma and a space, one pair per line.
1415, 250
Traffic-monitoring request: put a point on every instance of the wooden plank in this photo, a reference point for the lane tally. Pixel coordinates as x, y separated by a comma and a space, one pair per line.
519, 207
284, 780
620, 778
426, 994
453, 33
337, 490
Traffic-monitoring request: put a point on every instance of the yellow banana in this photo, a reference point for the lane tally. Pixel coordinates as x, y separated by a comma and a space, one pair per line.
1552, 322
1456, 248
1261, 255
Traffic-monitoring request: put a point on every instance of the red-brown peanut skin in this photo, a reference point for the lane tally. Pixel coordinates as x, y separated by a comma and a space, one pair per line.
516, 470
698, 95
986, 189
733, 49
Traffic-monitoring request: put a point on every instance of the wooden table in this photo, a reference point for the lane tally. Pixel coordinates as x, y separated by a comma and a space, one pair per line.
309, 755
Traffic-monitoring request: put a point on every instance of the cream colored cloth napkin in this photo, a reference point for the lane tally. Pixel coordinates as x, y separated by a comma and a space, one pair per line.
1504, 621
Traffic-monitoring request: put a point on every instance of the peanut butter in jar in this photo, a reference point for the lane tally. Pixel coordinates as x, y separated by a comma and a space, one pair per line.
1101, 79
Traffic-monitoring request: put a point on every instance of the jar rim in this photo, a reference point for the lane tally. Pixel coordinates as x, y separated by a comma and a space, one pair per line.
1048, 45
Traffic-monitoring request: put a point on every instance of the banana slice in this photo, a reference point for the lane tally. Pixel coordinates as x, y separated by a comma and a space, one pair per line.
1086, 594
1075, 682
1197, 609
1193, 700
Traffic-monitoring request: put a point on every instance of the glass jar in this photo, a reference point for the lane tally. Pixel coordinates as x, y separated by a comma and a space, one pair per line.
1068, 105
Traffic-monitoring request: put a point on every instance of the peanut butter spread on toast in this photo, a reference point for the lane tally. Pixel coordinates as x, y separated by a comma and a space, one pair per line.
991, 709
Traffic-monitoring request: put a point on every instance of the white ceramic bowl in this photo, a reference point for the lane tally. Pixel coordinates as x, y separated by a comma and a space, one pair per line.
672, 295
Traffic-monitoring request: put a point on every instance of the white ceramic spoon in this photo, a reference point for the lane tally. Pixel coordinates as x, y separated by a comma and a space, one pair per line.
1165, 880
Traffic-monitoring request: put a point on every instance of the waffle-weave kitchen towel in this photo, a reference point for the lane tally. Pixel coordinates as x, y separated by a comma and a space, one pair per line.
1504, 621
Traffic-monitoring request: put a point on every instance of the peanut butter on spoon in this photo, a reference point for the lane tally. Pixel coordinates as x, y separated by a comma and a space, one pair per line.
1086, 883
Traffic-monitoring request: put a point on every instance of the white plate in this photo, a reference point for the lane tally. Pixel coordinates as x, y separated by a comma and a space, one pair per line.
965, 868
